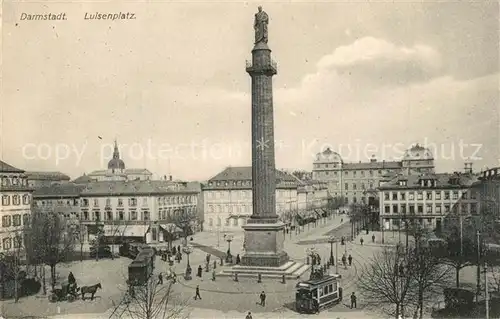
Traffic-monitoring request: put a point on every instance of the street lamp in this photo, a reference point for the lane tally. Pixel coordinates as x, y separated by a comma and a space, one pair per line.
332, 240
229, 239
188, 250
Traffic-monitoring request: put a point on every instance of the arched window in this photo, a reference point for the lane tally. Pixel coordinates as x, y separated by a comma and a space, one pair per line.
218, 221
210, 222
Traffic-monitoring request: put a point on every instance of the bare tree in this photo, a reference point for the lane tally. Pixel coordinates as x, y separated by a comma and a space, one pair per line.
386, 282
51, 240
152, 301
428, 273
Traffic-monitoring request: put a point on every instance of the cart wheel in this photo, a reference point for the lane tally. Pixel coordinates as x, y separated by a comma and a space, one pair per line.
71, 298
52, 298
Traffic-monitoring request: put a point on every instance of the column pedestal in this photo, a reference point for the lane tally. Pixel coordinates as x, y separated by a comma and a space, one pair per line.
264, 245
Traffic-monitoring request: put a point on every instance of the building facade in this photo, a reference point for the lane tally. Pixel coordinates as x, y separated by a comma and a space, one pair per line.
355, 183
137, 210
43, 179
118, 172
15, 209
426, 199
227, 197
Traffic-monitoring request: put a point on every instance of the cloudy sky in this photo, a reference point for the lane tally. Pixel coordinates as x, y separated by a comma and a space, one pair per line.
363, 78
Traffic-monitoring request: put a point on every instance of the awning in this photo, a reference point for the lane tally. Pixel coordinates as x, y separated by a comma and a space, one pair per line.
318, 212
125, 230
171, 228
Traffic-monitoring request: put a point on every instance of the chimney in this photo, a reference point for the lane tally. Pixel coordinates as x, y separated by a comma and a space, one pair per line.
164, 177
468, 168
170, 177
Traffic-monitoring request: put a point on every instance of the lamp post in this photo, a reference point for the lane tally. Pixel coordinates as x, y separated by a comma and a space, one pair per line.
229, 239
188, 250
311, 252
332, 240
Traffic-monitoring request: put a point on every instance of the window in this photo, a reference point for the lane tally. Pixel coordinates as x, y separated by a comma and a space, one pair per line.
446, 195
109, 215
402, 196
354, 173
235, 222
132, 202
429, 220
85, 215
455, 195
26, 219
420, 196
447, 208
428, 195
97, 216
464, 195
428, 209
411, 196
395, 209
133, 215
464, 208
5, 200
16, 200
227, 221
362, 173
346, 185
473, 208
120, 202
108, 201
394, 196
96, 202
120, 215
7, 243
26, 199
438, 209
420, 209
17, 241
6, 221
387, 209
16, 220
346, 173
354, 186
146, 215
386, 195
438, 195
363, 186
85, 202
145, 201
412, 209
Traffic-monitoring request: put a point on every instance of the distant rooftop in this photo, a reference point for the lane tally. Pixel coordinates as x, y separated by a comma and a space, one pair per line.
6, 168
52, 176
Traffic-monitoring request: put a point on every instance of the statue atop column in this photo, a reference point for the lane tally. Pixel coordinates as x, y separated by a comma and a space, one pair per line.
260, 26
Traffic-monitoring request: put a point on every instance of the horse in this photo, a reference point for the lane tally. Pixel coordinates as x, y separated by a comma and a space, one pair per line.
90, 290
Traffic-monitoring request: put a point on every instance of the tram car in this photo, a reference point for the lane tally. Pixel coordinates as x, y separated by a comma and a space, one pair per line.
315, 294
142, 267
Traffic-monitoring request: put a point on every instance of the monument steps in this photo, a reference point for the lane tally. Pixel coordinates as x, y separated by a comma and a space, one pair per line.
291, 270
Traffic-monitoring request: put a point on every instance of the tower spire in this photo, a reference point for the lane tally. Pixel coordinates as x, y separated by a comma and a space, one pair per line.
116, 152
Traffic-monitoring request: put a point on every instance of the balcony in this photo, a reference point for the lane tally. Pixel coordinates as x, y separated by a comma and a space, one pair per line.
268, 68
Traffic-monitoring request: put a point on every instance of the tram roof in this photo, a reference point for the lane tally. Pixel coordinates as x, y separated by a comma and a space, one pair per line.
318, 282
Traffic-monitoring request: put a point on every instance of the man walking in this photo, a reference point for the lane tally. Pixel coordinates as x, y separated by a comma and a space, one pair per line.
263, 299
197, 293
160, 279
373, 238
344, 261
350, 260
353, 300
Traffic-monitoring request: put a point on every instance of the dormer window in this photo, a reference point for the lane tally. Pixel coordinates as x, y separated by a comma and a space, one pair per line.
402, 183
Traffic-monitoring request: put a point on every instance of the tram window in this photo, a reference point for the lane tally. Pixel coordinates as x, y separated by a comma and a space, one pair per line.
334, 286
330, 288
325, 290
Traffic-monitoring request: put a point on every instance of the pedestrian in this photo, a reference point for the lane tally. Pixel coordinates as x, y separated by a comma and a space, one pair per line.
373, 238
342, 240
353, 300
71, 278
200, 271
197, 293
263, 299
174, 277
344, 261
350, 260
341, 220
361, 241
160, 279
249, 315
179, 248
238, 259
174, 251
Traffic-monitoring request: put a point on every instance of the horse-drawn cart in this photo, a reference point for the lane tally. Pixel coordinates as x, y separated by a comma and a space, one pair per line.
66, 292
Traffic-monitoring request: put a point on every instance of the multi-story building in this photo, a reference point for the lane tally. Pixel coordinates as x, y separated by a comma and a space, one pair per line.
15, 209
357, 182
118, 172
138, 210
425, 198
227, 197
43, 179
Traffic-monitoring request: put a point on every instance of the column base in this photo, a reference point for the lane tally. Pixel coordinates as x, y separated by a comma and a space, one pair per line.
264, 245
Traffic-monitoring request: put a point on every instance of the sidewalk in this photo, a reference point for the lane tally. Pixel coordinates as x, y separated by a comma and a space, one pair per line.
312, 233
391, 238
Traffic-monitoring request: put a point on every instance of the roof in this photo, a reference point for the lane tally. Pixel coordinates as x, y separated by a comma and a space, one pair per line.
125, 230
443, 180
52, 176
58, 191
6, 168
245, 173
84, 179
138, 171
134, 188
373, 165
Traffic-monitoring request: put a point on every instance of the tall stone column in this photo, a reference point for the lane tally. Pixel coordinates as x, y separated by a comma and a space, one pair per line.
264, 235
